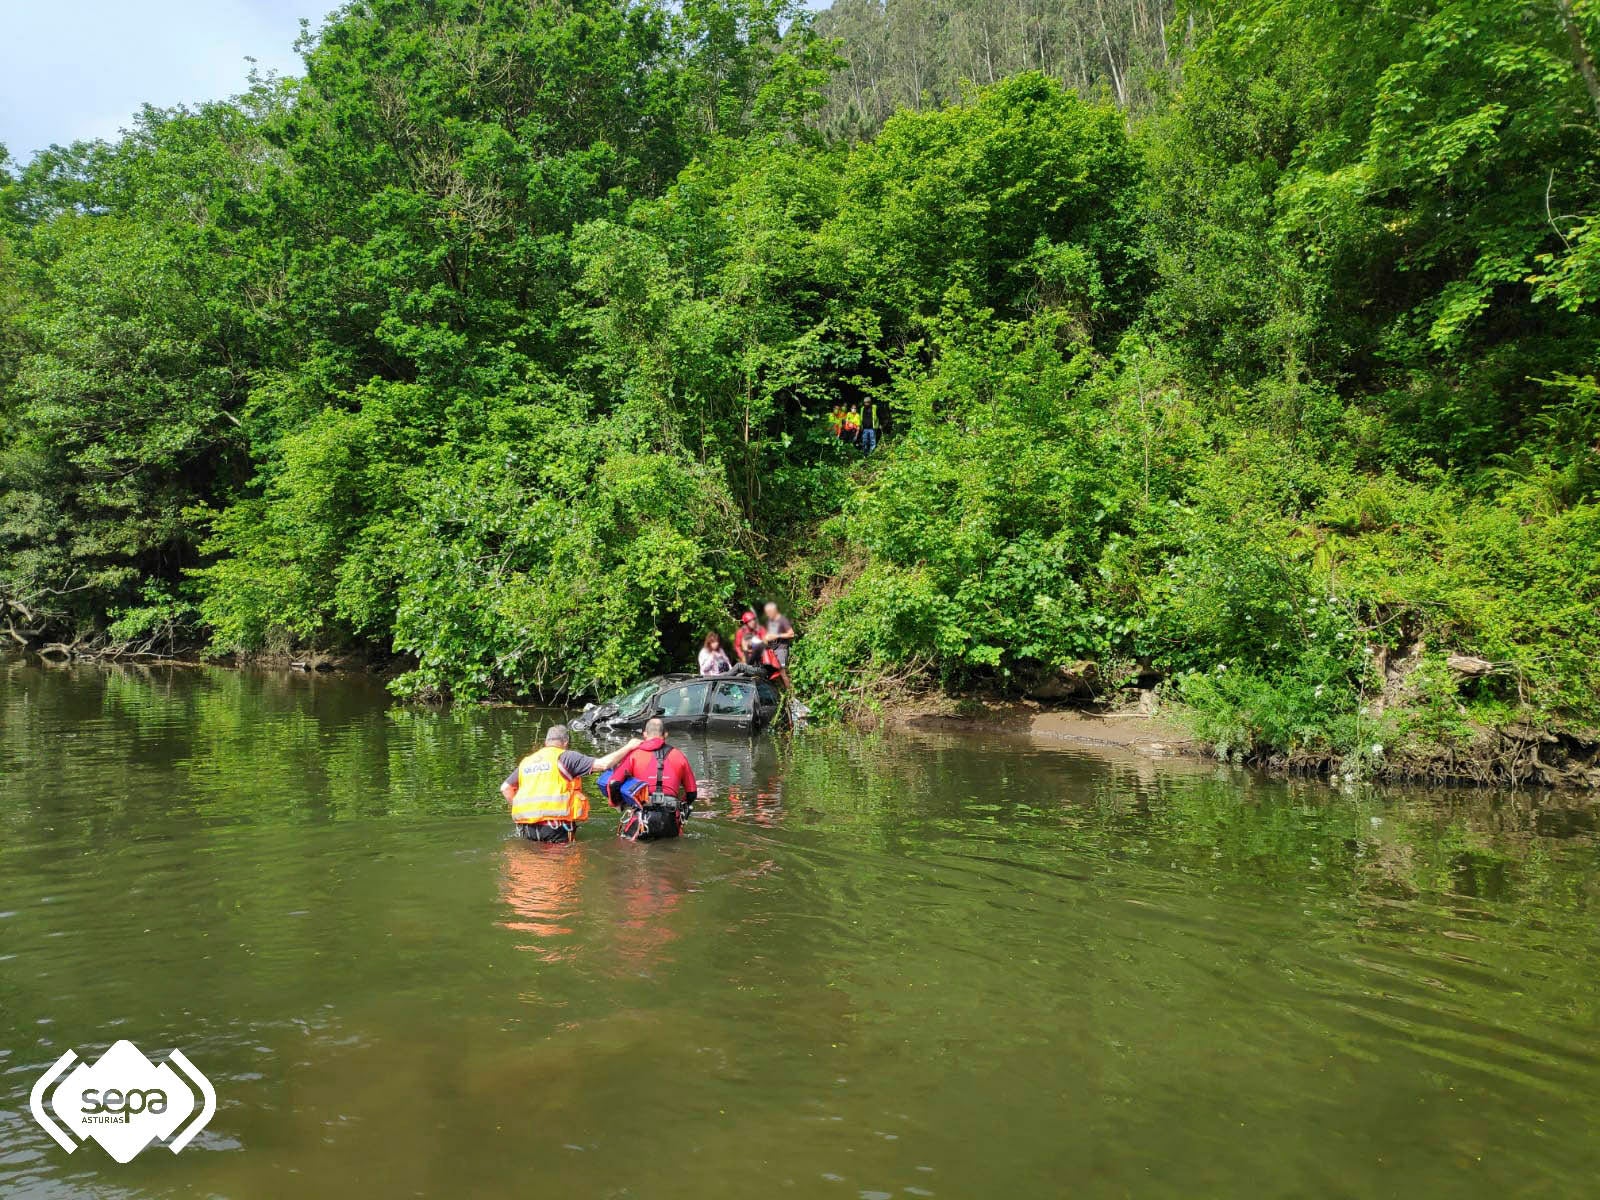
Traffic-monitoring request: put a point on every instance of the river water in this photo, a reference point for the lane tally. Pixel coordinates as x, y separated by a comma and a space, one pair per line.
878, 966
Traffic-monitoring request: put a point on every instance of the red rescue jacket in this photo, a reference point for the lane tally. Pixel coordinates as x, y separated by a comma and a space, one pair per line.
662, 775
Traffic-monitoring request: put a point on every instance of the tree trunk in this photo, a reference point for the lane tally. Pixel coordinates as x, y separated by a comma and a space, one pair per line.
1580, 52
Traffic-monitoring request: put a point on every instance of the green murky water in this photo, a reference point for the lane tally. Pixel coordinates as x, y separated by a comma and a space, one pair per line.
878, 967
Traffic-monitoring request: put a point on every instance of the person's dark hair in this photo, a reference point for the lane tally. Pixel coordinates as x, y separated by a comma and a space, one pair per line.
713, 635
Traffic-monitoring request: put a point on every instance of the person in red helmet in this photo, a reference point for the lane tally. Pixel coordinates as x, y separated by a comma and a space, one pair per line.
749, 643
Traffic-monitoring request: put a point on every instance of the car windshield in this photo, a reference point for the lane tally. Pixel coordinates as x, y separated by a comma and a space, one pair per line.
633, 701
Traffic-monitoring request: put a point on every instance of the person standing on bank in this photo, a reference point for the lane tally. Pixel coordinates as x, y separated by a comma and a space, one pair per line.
546, 790
780, 633
869, 426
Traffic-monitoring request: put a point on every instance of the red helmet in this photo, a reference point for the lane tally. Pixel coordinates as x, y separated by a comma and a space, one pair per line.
748, 616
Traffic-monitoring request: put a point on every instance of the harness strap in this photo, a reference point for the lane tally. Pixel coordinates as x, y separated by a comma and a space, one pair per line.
661, 753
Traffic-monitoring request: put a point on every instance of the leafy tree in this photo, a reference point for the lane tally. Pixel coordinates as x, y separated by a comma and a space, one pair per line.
1023, 197
1389, 176
137, 345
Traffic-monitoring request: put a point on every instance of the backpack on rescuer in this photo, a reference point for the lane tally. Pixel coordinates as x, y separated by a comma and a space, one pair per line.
651, 821
645, 819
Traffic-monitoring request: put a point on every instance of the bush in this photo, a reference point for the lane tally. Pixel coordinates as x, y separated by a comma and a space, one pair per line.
555, 593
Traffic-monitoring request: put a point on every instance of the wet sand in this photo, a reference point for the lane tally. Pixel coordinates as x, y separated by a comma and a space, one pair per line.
1126, 729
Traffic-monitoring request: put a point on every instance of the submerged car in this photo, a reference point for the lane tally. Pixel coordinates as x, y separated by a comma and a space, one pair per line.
734, 703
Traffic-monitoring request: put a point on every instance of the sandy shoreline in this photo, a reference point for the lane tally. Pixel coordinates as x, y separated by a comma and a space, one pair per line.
1127, 729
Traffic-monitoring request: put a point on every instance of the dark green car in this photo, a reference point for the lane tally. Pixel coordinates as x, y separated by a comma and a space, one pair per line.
732, 703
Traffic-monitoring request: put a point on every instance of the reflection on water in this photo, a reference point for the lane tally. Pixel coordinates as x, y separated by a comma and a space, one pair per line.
541, 893
873, 967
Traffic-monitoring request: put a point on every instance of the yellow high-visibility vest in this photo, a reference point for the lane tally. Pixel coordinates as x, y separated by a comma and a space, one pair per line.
544, 793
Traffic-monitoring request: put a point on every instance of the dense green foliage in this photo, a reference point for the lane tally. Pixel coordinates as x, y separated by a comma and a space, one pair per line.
505, 338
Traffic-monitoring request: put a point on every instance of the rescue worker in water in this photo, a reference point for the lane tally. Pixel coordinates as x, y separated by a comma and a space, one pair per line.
546, 790
664, 786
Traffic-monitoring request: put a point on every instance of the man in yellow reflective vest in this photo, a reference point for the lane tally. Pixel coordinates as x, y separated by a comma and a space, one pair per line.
546, 790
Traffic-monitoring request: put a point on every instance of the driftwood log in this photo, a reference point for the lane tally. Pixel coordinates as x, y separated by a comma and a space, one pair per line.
1471, 667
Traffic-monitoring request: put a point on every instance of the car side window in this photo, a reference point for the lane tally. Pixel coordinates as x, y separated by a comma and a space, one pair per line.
685, 700
733, 700
768, 693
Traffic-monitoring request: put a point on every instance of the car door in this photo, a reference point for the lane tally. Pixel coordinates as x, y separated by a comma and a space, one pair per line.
733, 704
768, 703
683, 705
